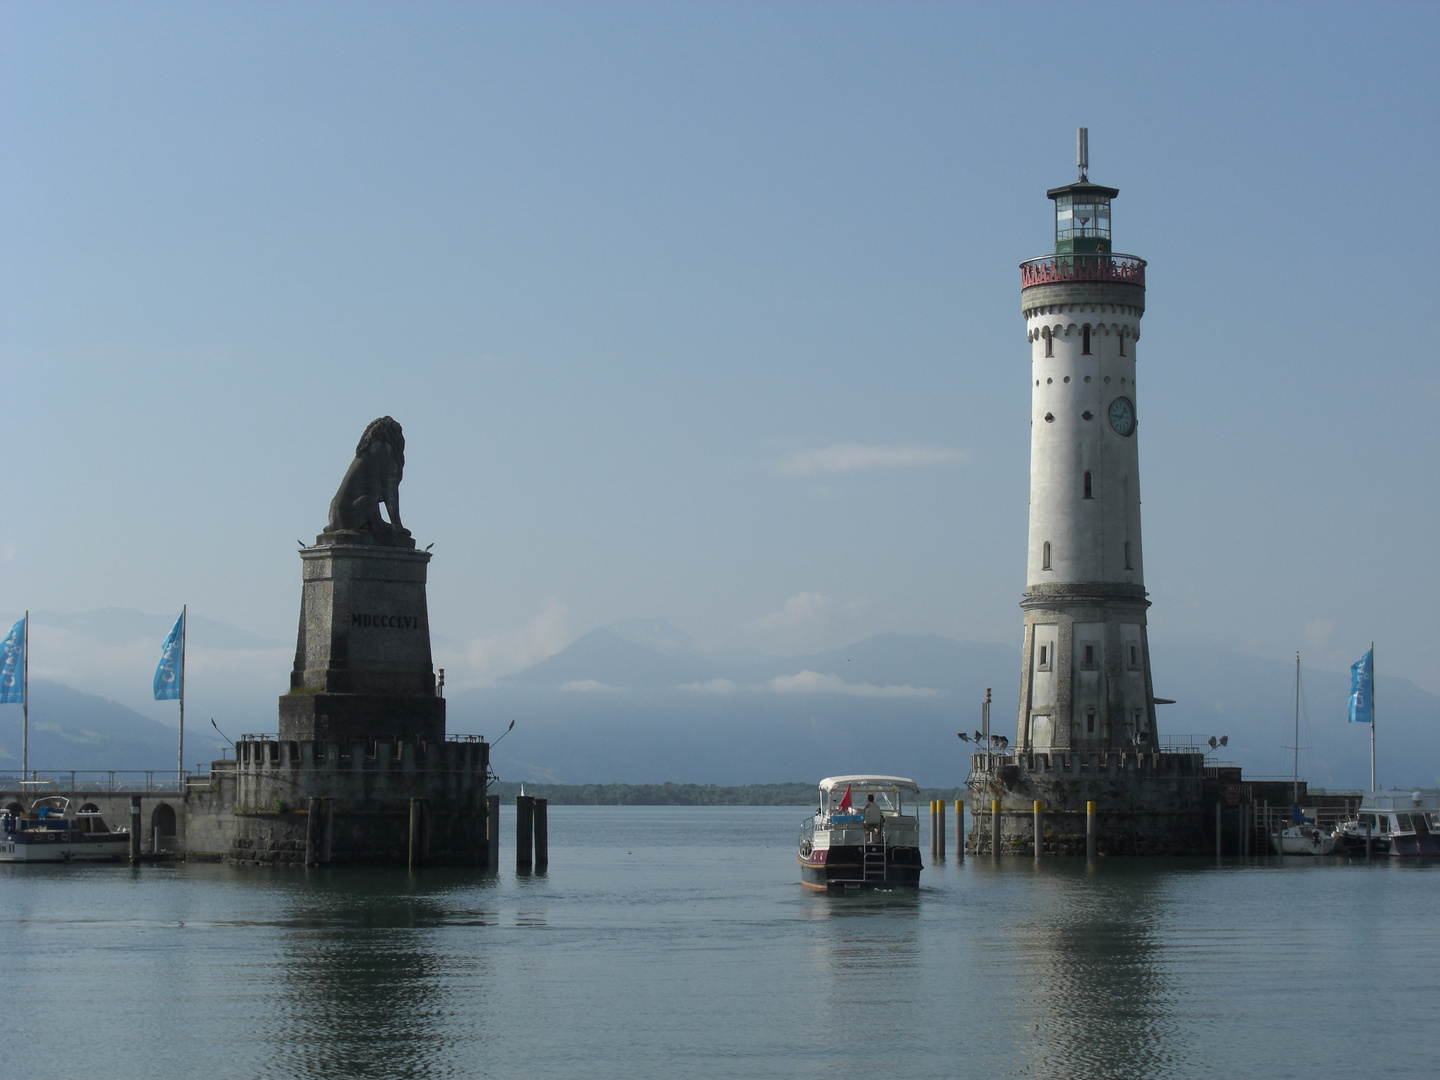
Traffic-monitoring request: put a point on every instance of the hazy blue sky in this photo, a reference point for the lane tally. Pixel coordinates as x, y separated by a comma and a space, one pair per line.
711, 312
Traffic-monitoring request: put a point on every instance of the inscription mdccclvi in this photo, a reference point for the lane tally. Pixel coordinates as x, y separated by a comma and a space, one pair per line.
390, 622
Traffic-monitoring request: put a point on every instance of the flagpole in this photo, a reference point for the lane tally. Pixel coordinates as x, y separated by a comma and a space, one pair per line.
1372, 717
180, 764
25, 704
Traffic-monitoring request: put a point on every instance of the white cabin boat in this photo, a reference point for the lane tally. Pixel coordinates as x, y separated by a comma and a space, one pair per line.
1400, 823
839, 850
1302, 838
48, 832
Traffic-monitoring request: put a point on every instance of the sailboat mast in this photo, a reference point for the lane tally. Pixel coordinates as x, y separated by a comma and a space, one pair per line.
1295, 791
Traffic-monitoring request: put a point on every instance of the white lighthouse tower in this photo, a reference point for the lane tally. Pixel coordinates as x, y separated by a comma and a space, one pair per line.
1085, 685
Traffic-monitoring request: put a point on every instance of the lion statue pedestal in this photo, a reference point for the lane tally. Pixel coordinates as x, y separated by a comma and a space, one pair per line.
363, 667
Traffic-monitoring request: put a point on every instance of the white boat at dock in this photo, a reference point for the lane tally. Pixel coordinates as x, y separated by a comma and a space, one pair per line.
48, 832
1399, 823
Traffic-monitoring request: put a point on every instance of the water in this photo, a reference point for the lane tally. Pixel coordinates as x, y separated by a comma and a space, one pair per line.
669, 940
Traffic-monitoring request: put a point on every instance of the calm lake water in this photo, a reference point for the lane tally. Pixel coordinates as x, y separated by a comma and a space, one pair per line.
675, 941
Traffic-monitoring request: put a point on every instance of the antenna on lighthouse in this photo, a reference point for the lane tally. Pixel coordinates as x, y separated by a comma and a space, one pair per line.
1082, 151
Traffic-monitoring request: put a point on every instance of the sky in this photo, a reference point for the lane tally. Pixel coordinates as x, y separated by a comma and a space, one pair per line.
710, 312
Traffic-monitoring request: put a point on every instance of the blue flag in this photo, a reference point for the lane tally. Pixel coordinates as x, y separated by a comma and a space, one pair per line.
1362, 689
170, 675
12, 666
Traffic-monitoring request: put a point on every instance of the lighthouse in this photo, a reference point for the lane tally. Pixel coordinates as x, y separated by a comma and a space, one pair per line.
1085, 684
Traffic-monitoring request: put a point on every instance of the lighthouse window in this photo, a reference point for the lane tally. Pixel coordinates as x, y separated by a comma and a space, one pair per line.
1090, 721
1049, 418
1134, 657
1049, 342
1085, 339
1045, 556
1089, 656
1089, 494
1127, 556
1122, 344
1044, 663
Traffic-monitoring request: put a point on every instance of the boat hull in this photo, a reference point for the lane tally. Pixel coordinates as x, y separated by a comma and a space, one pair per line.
843, 868
1415, 845
35, 847
1302, 841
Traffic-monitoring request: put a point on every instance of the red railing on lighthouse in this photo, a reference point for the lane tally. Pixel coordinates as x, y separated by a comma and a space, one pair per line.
1051, 269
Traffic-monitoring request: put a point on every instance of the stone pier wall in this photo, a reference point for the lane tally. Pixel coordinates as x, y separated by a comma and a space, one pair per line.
259, 810
1146, 804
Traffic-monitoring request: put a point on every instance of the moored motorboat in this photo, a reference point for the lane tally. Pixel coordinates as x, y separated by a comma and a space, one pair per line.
1400, 823
860, 836
48, 832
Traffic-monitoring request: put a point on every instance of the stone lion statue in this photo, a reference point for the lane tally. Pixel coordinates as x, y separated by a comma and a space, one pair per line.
373, 478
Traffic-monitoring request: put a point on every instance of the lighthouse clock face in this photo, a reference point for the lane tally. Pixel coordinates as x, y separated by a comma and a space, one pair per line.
1122, 416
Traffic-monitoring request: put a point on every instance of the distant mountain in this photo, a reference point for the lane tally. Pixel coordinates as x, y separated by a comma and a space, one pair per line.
604, 659
126, 624
659, 634
637, 703
71, 730
231, 674
610, 710
1252, 700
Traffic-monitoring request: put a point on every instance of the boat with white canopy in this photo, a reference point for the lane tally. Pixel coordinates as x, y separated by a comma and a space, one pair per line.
864, 834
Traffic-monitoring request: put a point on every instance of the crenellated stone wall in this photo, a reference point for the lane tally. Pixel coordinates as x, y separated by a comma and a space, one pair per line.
1146, 803
260, 807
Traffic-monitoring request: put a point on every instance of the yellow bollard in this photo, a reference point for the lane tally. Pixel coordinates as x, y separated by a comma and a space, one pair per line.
1090, 836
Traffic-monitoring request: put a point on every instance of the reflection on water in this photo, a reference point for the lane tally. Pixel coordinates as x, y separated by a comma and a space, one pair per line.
667, 941
366, 989
1087, 948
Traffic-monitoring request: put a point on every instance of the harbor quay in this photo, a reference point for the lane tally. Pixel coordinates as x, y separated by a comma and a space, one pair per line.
283, 802
1161, 803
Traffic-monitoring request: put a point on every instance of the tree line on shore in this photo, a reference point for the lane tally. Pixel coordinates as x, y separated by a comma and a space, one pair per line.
672, 794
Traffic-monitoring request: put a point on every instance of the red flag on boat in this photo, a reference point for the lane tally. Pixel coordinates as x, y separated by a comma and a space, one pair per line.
845, 802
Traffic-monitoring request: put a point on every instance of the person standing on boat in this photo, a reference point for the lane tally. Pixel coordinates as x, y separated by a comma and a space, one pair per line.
874, 819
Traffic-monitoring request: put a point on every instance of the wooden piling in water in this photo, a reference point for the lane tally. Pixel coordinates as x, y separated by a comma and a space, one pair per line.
994, 827
134, 828
328, 843
492, 831
312, 832
1219, 836
524, 831
1092, 838
1039, 829
542, 834
960, 829
417, 808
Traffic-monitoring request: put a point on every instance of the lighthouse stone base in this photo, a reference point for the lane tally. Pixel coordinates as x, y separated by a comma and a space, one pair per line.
1146, 803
